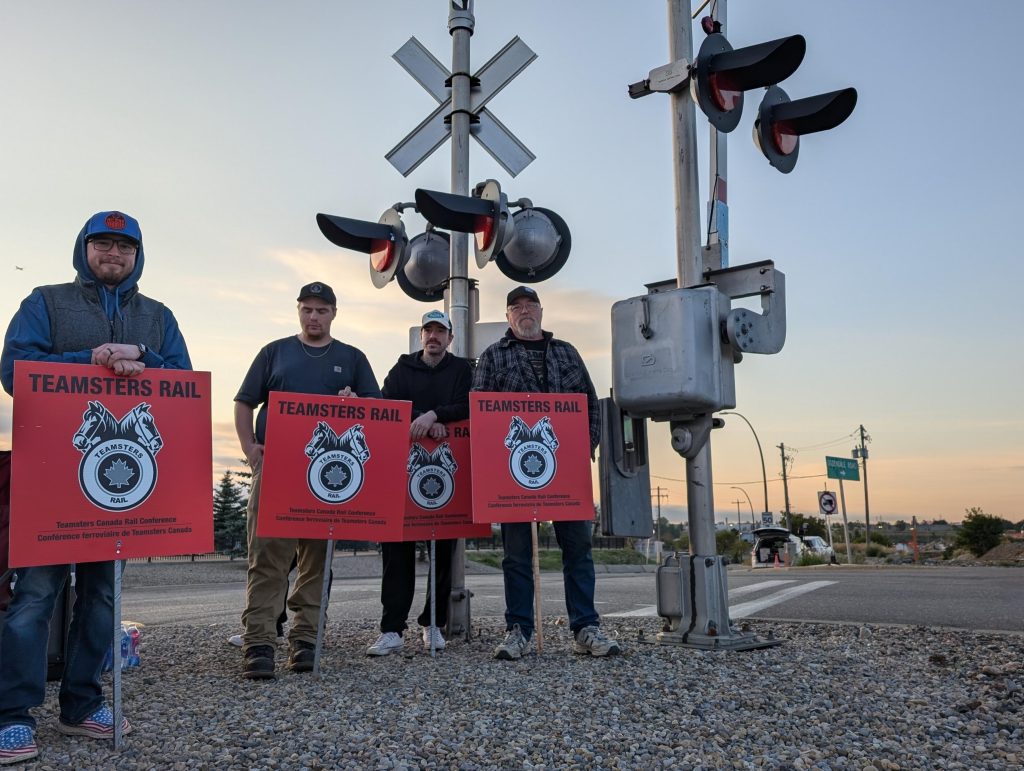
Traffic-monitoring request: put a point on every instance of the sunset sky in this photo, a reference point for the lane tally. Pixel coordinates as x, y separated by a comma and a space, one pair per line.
225, 127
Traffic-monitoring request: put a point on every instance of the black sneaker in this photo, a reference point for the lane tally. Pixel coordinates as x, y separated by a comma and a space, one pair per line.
300, 656
259, 663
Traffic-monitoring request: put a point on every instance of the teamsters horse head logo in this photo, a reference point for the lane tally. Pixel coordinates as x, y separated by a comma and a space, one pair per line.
336, 461
532, 459
431, 476
118, 469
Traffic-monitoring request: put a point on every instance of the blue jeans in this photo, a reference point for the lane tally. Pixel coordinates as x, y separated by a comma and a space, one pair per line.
577, 574
26, 630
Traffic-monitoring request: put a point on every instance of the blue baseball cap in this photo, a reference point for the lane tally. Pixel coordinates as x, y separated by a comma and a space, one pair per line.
113, 223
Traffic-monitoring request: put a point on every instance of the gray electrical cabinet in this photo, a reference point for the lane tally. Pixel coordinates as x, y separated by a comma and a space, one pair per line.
670, 357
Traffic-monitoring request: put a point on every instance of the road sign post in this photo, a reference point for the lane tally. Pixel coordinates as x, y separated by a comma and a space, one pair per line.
843, 469
846, 528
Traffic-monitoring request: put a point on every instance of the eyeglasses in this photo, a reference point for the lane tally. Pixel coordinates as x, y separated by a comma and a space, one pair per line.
522, 308
106, 244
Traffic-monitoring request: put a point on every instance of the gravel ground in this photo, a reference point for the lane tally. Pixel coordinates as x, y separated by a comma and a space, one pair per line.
831, 697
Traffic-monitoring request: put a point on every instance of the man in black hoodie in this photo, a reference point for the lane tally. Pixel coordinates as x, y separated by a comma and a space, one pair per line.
437, 383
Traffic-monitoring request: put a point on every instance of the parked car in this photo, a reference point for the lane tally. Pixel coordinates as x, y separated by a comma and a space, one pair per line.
817, 546
772, 542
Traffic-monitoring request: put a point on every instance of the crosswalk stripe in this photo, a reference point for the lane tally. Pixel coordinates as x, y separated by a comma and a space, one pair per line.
743, 609
751, 588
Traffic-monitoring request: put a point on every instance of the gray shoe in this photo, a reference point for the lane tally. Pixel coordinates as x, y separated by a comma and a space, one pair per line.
590, 639
513, 646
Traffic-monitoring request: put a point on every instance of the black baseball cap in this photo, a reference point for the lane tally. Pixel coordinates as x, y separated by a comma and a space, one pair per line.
319, 290
522, 291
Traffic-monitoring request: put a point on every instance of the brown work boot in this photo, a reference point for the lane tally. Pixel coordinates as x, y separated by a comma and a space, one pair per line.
300, 656
259, 663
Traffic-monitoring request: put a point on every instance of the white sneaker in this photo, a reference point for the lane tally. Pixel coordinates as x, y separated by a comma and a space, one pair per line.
389, 642
439, 642
513, 646
590, 639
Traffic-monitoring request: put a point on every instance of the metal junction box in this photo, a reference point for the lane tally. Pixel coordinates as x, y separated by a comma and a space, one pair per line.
669, 360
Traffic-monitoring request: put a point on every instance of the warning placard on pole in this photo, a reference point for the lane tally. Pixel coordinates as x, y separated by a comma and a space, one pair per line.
330, 466
531, 457
107, 467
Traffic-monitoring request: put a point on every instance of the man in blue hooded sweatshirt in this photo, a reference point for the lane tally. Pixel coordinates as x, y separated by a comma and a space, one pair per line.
100, 318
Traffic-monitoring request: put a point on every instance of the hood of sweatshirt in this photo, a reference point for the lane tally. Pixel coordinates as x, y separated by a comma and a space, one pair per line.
113, 223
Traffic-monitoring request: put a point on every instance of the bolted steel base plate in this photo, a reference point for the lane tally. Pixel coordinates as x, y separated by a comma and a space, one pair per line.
735, 641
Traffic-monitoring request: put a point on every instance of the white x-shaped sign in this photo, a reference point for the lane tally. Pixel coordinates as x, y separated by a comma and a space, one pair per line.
493, 136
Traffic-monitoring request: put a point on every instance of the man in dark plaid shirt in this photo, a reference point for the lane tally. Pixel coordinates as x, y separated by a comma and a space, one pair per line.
530, 360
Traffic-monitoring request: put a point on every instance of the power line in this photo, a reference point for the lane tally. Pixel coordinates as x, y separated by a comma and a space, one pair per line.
822, 445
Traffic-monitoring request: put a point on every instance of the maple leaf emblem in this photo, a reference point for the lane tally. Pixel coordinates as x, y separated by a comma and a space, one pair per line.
431, 487
533, 463
336, 475
119, 474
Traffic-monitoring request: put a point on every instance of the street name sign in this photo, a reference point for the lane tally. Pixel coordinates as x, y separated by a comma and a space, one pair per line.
842, 468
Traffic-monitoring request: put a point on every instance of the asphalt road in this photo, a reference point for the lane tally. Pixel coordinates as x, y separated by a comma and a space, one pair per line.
977, 598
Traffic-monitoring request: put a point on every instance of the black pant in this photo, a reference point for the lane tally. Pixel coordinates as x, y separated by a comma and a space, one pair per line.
399, 584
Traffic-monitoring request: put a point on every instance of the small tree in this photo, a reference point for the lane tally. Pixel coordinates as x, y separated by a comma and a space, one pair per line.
979, 531
729, 544
228, 515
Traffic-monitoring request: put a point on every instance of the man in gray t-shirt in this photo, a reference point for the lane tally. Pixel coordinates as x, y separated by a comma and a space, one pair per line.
311, 362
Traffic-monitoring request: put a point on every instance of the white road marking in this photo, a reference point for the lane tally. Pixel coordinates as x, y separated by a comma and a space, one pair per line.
744, 609
751, 588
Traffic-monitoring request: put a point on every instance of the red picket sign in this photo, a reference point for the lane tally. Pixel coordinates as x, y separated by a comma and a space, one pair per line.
107, 467
330, 465
531, 457
439, 496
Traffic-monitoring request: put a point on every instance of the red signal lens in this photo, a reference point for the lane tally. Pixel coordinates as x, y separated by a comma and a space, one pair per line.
382, 254
483, 228
784, 142
722, 94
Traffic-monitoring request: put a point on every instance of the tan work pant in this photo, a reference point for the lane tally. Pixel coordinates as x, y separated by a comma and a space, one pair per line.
270, 559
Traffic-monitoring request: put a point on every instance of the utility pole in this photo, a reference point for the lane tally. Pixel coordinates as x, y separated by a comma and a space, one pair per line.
738, 502
785, 479
657, 525
862, 453
659, 495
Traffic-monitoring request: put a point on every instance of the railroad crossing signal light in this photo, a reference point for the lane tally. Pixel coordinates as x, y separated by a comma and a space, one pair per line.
385, 241
424, 275
721, 74
528, 246
485, 214
780, 122
540, 245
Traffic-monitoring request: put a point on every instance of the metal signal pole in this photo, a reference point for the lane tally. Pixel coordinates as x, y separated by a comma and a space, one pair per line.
460, 25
